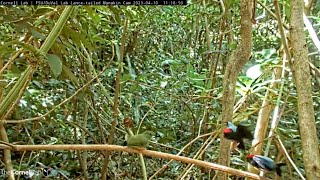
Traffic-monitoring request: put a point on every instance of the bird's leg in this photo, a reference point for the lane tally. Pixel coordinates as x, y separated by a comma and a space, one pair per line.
236, 147
233, 147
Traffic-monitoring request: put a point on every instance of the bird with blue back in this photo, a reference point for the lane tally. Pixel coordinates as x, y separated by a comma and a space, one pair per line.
237, 134
265, 163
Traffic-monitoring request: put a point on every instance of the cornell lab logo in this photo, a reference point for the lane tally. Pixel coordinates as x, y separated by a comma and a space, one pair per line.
28, 173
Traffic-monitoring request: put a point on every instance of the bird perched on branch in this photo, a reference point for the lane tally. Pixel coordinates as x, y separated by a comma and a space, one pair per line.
237, 134
265, 163
140, 140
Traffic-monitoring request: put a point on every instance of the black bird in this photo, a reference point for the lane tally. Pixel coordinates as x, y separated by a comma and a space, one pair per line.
237, 134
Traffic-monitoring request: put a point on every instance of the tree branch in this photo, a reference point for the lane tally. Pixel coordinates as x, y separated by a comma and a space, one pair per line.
105, 147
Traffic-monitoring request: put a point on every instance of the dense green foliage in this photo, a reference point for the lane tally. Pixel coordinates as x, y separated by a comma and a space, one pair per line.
166, 81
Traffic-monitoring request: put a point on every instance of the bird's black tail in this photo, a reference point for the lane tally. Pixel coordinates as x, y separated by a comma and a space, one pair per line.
278, 168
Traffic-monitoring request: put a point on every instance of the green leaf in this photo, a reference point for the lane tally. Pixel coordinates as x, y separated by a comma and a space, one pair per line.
37, 35
232, 46
94, 16
125, 77
116, 14
55, 64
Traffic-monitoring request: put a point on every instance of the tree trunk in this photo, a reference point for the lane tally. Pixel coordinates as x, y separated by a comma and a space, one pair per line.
236, 62
307, 125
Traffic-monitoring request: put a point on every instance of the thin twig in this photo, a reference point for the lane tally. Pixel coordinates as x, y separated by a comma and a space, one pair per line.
289, 158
